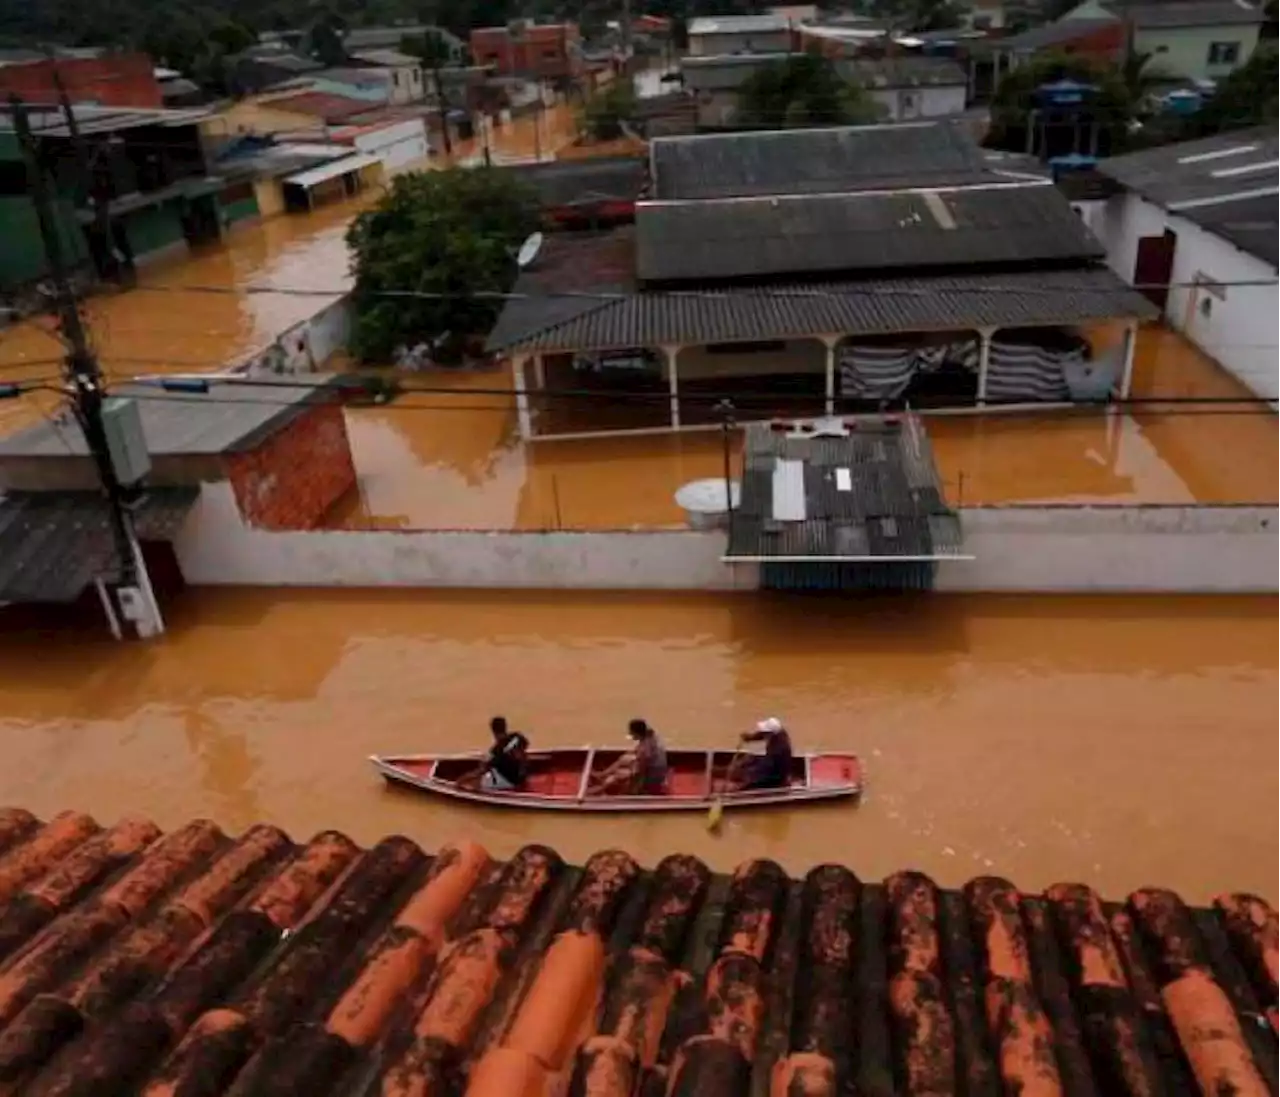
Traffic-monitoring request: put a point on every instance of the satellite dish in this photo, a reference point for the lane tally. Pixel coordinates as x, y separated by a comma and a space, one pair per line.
529, 250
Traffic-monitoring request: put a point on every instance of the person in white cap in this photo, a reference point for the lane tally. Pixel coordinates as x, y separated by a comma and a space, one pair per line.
772, 769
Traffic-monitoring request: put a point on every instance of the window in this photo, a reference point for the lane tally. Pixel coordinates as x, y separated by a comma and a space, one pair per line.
1224, 53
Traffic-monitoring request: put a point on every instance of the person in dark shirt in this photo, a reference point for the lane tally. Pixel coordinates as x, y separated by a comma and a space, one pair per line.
506, 767
772, 769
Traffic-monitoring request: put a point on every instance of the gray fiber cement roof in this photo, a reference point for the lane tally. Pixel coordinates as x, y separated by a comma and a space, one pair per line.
807, 234
815, 161
234, 415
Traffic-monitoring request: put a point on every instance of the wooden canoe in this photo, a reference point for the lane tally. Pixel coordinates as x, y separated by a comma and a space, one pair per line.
558, 780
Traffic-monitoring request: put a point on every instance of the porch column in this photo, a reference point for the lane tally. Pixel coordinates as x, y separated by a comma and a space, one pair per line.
523, 419
1126, 370
539, 373
984, 362
829, 343
672, 355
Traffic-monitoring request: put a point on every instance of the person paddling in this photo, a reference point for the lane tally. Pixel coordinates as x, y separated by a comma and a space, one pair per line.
772, 769
506, 766
640, 772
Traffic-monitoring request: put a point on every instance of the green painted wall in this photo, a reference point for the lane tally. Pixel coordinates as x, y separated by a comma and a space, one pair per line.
153, 228
22, 252
239, 211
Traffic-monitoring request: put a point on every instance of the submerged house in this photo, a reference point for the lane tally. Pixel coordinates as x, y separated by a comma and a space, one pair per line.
815, 272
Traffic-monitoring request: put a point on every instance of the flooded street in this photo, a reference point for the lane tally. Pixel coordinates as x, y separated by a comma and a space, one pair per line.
1119, 741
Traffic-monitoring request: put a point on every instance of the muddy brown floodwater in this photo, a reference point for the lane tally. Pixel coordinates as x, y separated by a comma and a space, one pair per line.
1118, 741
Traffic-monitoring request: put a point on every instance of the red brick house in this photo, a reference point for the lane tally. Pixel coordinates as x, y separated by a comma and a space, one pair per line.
113, 80
551, 51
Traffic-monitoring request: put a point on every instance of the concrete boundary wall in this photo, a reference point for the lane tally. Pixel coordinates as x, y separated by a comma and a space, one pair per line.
1015, 549
216, 547
1173, 549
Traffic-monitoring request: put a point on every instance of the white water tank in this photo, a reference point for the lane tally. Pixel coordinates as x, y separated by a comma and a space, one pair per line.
703, 502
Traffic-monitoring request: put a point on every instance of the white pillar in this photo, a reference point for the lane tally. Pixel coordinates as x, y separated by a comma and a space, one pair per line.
523, 419
1126, 371
672, 355
539, 373
984, 362
829, 343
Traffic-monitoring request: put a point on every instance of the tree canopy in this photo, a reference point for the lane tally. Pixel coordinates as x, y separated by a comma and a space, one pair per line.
1112, 107
454, 233
1248, 97
803, 90
606, 112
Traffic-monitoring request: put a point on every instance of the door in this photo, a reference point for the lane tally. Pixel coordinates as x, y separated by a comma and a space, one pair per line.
1153, 269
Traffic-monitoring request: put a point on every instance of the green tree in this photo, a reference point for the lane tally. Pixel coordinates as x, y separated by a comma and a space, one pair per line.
804, 90
1112, 108
1245, 98
454, 233
607, 112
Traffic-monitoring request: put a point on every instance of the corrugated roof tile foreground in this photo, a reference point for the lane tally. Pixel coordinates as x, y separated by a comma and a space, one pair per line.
193, 964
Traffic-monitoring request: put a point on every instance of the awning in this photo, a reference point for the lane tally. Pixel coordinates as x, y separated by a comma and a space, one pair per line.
324, 172
53, 544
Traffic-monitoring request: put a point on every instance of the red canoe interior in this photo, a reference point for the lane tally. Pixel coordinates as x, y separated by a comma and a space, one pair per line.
560, 773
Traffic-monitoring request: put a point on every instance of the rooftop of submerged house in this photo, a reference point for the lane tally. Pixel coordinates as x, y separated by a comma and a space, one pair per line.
192, 962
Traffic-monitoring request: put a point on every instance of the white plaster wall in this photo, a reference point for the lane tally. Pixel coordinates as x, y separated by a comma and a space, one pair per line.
1125, 219
1184, 51
330, 329
1028, 549
1186, 550
215, 547
906, 104
1239, 332
714, 45
397, 146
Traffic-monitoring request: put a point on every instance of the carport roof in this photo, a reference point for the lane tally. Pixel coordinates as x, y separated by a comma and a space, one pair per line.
53, 544
550, 314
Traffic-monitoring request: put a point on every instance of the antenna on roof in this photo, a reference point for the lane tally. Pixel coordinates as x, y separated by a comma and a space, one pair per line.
529, 250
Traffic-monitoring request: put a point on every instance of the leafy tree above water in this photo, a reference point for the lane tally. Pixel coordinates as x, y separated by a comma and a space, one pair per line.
454, 233
802, 91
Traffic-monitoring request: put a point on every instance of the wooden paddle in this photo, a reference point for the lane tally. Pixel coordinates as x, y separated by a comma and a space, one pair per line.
716, 812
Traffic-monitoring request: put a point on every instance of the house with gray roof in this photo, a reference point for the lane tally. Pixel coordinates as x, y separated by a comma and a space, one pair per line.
1186, 39
1194, 226
904, 88
725, 34
815, 272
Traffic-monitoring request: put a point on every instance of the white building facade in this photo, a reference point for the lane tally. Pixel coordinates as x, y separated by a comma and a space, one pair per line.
1196, 229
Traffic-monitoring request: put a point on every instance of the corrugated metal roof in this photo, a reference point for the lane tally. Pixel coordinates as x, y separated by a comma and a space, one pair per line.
872, 492
195, 963
1214, 167
815, 161
1251, 224
802, 234
54, 544
795, 311
562, 183
322, 173
738, 24
234, 415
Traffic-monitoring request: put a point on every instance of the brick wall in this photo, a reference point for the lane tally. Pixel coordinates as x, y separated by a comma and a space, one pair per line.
116, 80
292, 479
547, 51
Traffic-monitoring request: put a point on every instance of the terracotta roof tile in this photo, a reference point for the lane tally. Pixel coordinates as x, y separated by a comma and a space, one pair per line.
194, 965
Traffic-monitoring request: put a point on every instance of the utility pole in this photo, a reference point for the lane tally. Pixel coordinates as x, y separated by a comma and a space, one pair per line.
83, 377
99, 201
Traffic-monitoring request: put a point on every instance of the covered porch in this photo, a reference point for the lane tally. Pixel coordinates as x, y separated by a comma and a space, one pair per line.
1051, 350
